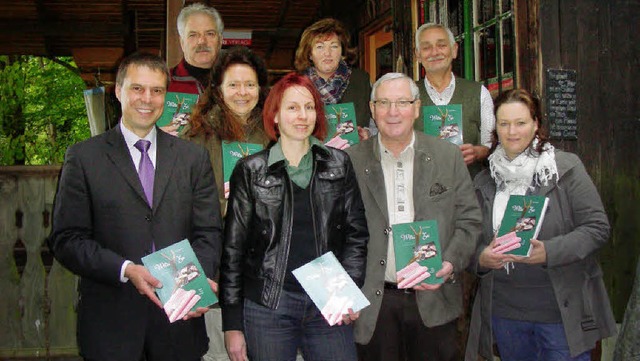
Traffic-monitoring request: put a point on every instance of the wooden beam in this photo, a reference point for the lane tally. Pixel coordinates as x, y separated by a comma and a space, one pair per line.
55, 28
106, 58
172, 49
274, 39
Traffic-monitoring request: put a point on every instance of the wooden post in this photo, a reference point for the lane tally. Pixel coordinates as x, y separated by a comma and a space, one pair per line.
11, 330
173, 49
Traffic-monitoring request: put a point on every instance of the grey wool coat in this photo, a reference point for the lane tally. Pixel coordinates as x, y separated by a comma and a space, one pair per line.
442, 190
575, 227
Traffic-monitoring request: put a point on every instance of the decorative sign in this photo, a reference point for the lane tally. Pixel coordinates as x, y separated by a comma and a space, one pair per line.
562, 104
236, 37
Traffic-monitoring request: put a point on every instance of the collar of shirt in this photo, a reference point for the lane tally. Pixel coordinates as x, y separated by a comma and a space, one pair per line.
446, 95
300, 175
131, 138
385, 153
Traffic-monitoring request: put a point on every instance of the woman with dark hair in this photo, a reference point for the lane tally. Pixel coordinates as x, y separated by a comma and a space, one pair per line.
551, 305
289, 204
230, 109
326, 57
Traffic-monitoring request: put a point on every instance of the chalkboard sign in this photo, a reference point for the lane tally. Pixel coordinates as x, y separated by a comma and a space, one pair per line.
562, 104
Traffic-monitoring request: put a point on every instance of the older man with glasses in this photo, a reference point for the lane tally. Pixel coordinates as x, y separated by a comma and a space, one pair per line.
406, 176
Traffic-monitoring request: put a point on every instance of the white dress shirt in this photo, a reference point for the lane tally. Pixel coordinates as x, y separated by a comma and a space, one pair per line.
131, 138
398, 184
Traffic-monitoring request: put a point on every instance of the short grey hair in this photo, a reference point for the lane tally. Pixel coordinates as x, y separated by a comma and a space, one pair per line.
415, 92
198, 8
427, 26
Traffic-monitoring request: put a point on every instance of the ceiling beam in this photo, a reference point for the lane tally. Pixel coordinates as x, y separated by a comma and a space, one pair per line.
54, 28
274, 38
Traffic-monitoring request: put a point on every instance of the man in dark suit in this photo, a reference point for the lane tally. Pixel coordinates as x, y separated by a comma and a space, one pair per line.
107, 217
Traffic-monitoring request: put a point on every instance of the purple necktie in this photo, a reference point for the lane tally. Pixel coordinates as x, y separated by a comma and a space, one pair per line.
145, 169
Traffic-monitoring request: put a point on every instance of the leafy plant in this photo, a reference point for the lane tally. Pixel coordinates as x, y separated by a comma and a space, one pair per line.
42, 109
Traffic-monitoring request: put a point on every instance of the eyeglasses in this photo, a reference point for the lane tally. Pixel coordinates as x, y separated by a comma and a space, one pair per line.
386, 103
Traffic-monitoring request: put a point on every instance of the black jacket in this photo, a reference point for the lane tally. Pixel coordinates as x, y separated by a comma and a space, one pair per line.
259, 221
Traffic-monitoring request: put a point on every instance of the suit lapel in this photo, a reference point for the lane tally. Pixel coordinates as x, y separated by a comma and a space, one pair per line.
165, 162
375, 180
422, 178
119, 154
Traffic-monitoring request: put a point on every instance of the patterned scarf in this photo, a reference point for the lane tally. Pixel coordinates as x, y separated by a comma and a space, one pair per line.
528, 170
333, 88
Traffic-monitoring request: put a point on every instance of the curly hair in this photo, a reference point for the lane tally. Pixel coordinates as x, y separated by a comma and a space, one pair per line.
533, 105
227, 126
322, 29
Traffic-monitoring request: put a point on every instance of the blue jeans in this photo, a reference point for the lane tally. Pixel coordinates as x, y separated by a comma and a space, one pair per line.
524, 341
276, 335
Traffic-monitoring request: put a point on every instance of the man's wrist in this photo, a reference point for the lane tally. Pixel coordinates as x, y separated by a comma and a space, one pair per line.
123, 278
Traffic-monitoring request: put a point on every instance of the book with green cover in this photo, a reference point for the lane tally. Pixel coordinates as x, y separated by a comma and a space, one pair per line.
177, 109
232, 152
341, 122
418, 253
524, 216
184, 284
444, 122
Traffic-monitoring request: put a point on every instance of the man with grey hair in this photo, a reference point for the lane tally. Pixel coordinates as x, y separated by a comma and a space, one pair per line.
435, 50
406, 176
200, 28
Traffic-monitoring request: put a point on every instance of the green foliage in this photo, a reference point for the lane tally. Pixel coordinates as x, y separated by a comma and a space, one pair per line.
42, 109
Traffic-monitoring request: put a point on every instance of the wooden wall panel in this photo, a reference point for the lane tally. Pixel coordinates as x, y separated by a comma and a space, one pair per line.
11, 330
37, 307
598, 40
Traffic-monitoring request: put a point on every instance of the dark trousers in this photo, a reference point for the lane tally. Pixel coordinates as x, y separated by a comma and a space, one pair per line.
400, 334
532, 341
276, 335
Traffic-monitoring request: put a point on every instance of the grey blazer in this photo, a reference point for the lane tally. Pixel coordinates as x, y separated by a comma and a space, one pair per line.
442, 190
101, 218
575, 226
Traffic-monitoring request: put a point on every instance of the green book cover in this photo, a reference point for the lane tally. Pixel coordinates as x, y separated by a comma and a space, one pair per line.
177, 109
184, 283
341, 122
523, 215
418, 253
232, 152
444, 122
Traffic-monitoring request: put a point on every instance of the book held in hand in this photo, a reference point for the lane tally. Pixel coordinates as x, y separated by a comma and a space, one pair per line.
177, 109
342, 129
330, 287
520, 224
184, 285
444, 122
418, 253
232, 152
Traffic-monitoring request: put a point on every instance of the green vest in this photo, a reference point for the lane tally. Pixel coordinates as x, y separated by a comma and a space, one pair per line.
466, 93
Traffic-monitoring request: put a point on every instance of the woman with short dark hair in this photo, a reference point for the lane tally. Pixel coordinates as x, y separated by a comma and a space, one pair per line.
325, 55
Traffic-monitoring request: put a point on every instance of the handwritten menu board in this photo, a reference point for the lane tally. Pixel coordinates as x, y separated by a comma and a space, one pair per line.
562, 104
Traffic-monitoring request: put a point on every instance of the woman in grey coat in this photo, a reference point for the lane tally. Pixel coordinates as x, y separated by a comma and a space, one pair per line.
551, 305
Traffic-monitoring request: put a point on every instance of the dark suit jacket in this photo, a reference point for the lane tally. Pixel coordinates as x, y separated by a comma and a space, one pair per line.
101, 218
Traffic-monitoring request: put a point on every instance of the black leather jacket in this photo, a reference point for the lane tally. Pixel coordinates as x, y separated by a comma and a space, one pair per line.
259, 221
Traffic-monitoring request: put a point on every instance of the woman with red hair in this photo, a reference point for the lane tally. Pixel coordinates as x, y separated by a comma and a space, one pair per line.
288, 205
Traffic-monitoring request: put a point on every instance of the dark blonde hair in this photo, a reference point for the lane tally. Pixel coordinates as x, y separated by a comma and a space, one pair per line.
532, 103
323, 28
